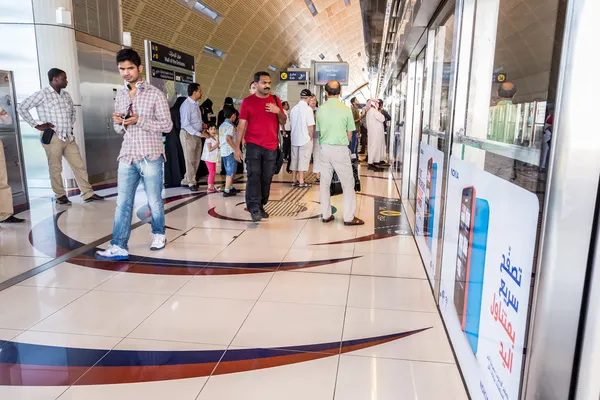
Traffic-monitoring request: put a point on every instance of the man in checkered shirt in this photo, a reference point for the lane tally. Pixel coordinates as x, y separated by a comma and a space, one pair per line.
141, 115
56, 113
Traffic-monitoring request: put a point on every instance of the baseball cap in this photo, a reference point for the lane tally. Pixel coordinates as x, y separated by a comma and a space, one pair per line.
305, 93
228, 101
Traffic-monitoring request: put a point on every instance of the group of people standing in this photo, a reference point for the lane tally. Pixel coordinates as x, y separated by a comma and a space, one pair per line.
142, 115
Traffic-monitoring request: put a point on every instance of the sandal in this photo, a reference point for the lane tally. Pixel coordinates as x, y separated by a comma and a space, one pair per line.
354, 222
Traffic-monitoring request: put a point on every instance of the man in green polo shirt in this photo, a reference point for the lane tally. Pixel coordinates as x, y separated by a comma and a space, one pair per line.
335, 124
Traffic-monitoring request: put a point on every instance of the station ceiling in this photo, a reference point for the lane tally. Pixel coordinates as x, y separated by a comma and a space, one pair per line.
253, 34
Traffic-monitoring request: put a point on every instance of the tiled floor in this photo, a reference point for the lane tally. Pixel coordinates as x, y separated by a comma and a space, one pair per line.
228, 310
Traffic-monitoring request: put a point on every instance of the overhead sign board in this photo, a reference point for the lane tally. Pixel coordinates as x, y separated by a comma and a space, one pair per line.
162, 73
331, 71
169, 56
499, 78
184, 78
294, 76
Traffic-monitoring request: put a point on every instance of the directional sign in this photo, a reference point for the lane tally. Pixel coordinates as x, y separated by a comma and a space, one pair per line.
499, 77
183, 78
162, 73
166, 55
293, 76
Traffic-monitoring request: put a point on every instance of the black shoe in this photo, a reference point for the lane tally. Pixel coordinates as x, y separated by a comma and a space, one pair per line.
194, 188
263, 213
373, 168
94, 197
229, 194
256, 216
63, 200
234, 190
12, 220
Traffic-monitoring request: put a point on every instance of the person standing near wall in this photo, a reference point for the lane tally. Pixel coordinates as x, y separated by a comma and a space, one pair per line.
191, 134
261, 115
56, 114
376, 143
141, 114
335, 122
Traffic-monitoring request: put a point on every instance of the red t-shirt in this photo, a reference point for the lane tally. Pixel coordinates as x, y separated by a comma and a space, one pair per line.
262, 126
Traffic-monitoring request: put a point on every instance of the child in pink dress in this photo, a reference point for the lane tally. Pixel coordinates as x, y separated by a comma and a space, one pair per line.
210, 155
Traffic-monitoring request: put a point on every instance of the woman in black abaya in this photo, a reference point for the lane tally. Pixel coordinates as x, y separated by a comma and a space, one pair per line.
175, 164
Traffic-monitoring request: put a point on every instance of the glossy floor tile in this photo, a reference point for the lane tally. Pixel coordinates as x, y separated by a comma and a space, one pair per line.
195, 319
288, 324
287, 308
308, 288
240, 286
390, 293
310, 380
69, 276
103, 314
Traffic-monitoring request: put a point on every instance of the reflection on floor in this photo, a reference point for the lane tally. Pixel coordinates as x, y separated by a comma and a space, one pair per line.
288, 308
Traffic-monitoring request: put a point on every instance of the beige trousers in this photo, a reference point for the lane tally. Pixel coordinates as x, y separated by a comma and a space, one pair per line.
55, 151
337, 158
6, 199
192, 151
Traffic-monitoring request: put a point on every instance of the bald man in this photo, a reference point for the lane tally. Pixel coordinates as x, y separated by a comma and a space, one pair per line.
335, 125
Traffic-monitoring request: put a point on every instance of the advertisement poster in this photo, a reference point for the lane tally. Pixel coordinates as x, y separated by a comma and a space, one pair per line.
429, 183
489, 243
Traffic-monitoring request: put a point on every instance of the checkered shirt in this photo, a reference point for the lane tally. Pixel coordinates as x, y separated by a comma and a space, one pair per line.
144, 139
51, 107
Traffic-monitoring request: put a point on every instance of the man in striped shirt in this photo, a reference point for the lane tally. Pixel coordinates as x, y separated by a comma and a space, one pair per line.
56, 115
142, 115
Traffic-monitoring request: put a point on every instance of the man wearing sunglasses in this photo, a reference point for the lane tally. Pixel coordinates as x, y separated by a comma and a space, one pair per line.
141, 115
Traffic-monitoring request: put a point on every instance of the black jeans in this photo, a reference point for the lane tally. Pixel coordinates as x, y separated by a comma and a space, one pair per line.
260, 164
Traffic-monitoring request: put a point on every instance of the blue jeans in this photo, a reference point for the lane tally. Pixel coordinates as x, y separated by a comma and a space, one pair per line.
151, 174
354, 143
230, 164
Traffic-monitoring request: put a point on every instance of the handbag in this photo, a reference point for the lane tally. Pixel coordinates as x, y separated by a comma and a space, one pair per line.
47, 136
336, 186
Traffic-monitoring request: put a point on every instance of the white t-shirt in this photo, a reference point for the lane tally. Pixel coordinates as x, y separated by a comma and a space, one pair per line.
210, 156
301, 117
287, 121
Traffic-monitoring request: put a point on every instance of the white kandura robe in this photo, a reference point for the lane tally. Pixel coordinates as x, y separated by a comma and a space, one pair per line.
376, 135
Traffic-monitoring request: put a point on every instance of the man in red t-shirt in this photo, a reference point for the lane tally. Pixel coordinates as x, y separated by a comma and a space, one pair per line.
259, 120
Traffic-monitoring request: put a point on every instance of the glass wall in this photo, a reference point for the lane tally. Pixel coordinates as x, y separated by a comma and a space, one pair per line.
496, 181
477, 107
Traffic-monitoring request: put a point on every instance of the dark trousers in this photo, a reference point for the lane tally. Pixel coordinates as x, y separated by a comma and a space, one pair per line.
287, 145
260, 165
354, 143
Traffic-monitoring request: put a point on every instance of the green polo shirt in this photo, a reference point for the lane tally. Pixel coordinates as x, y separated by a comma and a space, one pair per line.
334, 120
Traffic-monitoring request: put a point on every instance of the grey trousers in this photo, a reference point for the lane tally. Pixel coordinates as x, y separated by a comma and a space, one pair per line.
337, 158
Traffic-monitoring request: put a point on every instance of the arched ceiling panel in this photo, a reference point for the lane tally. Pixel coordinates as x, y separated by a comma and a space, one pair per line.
254, 34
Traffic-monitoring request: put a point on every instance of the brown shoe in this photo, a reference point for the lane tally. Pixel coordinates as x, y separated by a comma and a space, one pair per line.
331, 218
355, 221
94, 197
63, 200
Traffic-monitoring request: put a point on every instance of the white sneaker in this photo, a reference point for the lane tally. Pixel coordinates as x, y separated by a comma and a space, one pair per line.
158, 242
112, 253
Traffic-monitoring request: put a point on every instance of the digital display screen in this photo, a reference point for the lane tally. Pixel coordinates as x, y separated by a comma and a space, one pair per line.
325, 72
